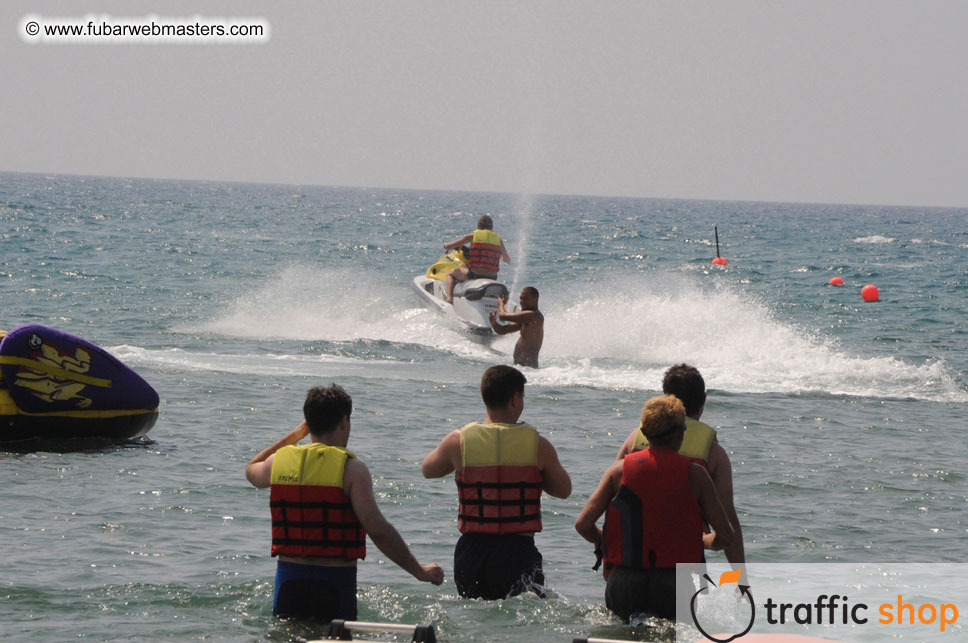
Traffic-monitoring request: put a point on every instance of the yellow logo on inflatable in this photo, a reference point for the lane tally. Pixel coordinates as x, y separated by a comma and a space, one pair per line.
50, 388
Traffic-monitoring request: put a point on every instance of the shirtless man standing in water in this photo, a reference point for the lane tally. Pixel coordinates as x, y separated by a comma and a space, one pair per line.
529, 321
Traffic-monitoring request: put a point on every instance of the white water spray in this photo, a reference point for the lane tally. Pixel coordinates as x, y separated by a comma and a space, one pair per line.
525, 218
618, 332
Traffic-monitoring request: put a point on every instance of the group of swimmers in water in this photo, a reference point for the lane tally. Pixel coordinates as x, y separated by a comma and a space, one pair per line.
666, 498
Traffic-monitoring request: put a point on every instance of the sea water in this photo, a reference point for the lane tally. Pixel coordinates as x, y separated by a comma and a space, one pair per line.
845, 421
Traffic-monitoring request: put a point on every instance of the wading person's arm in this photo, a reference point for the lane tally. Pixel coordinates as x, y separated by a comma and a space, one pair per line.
358, 485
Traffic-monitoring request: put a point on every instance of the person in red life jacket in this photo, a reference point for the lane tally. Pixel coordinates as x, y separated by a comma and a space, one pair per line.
701, 445
529, 321
502, 466
486, 252
322, 506
655, 502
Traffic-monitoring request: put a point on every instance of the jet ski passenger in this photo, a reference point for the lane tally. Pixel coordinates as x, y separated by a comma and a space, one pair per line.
486, 252
529, 321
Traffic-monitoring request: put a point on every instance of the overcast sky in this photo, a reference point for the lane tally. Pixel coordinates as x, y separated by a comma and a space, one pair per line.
859, 101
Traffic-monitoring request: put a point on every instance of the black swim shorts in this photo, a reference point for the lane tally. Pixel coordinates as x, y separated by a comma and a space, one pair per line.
633, 591
493, 567
473, 275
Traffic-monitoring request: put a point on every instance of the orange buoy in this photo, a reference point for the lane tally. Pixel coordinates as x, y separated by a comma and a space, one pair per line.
718, 261
870, 293
836, 281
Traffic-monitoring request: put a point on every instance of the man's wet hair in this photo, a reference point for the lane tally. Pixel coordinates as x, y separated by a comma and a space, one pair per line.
325, 407
485, 222
531, 290
499, 384
687, 384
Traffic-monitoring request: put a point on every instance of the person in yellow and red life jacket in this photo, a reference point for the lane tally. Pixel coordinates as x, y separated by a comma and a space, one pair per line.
502, 467
700, 444
655, 502
322, 506
486, 252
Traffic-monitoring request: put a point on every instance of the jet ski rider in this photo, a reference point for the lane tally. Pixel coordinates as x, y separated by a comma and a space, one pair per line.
486, 252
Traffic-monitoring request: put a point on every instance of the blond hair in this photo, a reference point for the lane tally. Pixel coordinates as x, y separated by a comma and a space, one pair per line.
661, 416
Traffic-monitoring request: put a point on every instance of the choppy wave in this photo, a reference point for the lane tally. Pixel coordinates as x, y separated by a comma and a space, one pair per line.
640, 328
876, 238
310, 303
618, 333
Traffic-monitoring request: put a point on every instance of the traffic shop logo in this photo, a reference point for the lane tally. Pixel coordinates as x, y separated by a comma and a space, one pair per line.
725, 578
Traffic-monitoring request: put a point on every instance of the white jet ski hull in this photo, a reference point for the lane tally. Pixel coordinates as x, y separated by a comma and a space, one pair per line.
474, 300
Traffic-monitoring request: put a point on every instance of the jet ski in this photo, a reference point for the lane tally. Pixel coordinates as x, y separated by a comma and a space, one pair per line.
474, 299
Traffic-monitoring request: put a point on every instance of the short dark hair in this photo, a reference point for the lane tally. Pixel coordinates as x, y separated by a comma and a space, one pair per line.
499, 384
687, 384
325, 407
485, 222
531, 290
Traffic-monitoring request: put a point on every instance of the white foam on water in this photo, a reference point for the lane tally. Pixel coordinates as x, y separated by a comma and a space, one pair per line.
309, 303
618, 332
876, 238
178, 360
624, 332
